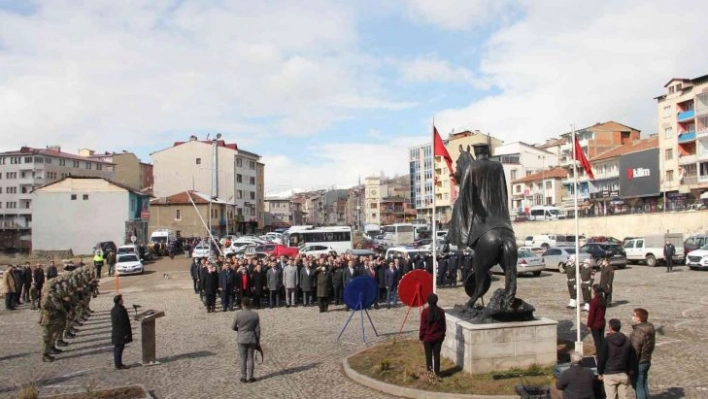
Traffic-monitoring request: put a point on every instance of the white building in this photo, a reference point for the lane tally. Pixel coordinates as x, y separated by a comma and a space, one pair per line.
76, 213
200, 165
520, 160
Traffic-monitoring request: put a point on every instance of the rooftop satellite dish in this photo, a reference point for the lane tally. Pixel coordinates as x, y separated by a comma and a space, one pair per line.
359, 294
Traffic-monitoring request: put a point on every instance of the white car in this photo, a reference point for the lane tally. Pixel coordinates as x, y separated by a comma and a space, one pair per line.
698, 259
202, 250
129, 264
127, 249
527, 262
556, 258
317, 250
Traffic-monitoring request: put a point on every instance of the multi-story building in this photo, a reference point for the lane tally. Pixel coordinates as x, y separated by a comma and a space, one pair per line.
372, 200
355, 207
593, 140
379, 191
279, 212
683, 139
177, 212
146, 176
426, 172
540, 188
28, 168
606, 167
520, 159
127, 168
260, 194
212, 166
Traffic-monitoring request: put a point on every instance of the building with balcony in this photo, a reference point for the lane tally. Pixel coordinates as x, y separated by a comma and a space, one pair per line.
520, 159
24, 170
540, 188
76, 213
594, 140
177, 212
378, 189
683, 139
213, 166
279, 212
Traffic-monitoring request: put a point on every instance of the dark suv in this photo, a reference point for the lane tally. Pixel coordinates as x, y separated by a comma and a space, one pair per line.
108, 246
599, 250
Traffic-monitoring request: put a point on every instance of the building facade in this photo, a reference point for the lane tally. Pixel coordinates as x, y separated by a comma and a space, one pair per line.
212, 166
28, 168
593, 140
540, 188
76, 213
520, 159
126, 166
683, 140
176, 212
279, 212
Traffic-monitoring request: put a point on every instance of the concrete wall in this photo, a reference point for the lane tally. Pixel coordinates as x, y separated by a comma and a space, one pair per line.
621, 226
60, 223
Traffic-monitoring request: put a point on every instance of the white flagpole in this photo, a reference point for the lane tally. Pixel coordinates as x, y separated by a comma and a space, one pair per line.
434, 219
578, 340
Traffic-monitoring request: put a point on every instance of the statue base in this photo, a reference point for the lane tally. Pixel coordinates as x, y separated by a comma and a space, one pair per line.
495, 312
486, 348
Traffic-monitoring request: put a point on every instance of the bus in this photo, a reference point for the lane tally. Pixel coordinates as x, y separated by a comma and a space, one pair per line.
398, 234
339, 238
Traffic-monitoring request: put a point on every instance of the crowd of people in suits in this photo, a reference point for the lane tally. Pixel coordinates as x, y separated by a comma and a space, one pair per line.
302, 280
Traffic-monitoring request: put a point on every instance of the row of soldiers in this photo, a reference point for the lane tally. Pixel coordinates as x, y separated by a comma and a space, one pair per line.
65, 306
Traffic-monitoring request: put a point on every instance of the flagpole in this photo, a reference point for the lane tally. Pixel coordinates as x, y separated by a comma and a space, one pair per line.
434, 219
578, 340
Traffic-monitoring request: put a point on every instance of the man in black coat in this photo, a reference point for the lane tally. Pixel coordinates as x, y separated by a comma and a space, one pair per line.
452, 266
211, 286
121, 332
226, 283
669, 252
194, 272
52, 270
337, 283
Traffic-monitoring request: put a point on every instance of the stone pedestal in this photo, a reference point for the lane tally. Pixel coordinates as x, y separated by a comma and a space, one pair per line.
485, 348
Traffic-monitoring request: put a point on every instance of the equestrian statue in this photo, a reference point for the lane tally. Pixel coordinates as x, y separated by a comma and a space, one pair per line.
480, 221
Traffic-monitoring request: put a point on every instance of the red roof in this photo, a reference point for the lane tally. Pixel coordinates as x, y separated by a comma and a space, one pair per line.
641, 145
219, 143
554, 173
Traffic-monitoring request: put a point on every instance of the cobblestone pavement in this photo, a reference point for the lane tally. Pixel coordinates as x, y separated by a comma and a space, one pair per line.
302, 358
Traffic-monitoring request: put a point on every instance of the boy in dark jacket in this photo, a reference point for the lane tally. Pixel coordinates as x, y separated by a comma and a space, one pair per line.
614, 362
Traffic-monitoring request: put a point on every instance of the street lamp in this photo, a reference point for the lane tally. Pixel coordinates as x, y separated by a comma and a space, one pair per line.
214, 176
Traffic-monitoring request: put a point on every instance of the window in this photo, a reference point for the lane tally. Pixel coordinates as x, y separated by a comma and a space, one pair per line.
669, 175
28, 160
669, 154
11, 205
671, 89
239, 178
668, 133
198, 161
48, 160
251, 164
0, 190
239, 162
73, 197
11, 190
11, 175
667, 111
178, 214
253, 195
252, 180
62, 162
679, 87
88, 165
85, 197
513, 175
99, 166
239, 194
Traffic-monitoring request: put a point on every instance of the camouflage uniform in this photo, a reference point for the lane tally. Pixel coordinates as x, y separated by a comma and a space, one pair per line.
51, 321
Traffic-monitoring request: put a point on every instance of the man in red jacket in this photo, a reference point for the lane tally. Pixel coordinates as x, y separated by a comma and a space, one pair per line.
432, 333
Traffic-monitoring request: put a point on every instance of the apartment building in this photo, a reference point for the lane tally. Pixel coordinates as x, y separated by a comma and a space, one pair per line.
215, 167
594, 140
683, 139
394, 193
28, 168
127, 169
426, 172
520, 159
279, 212
177, 212
540, 188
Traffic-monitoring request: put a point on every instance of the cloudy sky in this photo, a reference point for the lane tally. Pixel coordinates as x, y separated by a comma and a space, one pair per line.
328, 91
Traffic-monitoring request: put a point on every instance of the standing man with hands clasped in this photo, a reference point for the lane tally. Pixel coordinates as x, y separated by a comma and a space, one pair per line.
248, 325
121, 333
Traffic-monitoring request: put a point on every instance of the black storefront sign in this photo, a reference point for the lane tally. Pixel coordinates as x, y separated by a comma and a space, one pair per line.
639, 174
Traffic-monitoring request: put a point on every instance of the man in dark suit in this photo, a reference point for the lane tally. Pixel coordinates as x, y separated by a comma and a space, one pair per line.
226, 284
669, 252
248, 325
121, 332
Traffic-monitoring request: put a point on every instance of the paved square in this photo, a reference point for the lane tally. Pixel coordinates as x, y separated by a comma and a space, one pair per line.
302, 358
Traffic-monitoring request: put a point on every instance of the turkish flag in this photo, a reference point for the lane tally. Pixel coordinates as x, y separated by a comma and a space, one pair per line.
580, 157
439, 149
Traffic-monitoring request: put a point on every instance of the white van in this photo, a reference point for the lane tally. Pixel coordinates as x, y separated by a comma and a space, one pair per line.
546, 213
546, 241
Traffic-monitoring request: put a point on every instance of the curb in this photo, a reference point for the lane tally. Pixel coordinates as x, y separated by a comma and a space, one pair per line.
405, 392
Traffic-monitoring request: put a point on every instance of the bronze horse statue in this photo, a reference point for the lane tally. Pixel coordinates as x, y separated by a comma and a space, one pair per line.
480, 220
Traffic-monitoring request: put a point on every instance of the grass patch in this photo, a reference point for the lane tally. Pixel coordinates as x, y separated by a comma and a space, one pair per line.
402, 362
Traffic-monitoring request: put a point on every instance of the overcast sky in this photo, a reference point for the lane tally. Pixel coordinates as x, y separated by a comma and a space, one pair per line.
328, 91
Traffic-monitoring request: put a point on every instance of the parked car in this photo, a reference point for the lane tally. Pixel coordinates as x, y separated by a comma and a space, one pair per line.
650, 248
361, 252
127, 249
317, 250
129, 264
202, 250
597, 251
272, 249
557, 258
698, 259
695, 242
602, 239
108, 246
527, 262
